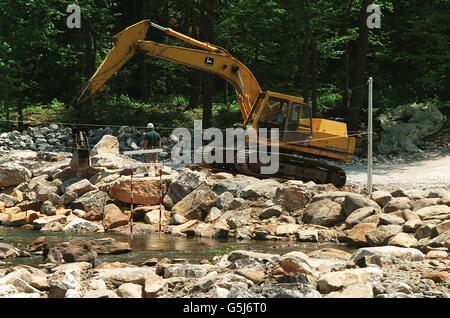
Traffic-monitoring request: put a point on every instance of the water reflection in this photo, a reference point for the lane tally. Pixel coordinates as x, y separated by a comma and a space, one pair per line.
160, 246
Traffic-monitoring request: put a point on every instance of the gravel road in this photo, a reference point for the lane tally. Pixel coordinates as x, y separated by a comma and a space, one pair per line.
433, 172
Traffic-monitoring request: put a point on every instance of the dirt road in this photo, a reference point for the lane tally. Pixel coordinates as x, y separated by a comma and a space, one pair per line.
430, 173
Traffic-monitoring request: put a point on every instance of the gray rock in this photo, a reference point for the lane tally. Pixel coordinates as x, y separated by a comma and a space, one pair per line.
234, 186
224, 200
183, 184
48, 208
260, 189
273, 211
323, 212
382, 234
354, 201
213, 215
260, 257
13, 174
186, 270
239, 291
388, 252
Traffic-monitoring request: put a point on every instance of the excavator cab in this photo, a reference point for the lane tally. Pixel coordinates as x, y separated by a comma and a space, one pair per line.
296, 125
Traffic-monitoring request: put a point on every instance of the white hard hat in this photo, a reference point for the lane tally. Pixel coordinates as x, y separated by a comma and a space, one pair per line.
150, 125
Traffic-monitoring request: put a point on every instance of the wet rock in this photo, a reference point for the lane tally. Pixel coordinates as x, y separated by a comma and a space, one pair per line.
398, 203
145, 190
13, 174
260, 189
403, 240
335, 281
38, 245
183, 184
382, 234
224, 200
388, 252
323, 212
381, 197
47, 208
113, 217
196, 204
274, 211
130, 290
290, 291
80, 225
73, 252
109, 246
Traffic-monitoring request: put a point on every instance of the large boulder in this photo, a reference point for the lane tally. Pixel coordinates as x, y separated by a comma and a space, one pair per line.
293, 196
396, 204
107, 145
233, 185
79, 251
80, 225
323, 212
388, 252
403, 240
183, 184
358, 215
80, 187
437, 212
335, 281
197, 204
93, 201
357, 235
113, 217
64, 281
12, 174
382, 234
354, 201
146, 191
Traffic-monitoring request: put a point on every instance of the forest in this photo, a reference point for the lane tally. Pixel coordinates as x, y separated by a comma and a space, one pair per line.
322, 50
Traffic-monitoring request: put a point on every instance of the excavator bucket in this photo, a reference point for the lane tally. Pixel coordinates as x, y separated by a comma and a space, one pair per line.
123, 50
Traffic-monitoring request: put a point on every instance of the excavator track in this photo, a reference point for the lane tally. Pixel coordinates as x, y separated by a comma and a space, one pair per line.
291, 167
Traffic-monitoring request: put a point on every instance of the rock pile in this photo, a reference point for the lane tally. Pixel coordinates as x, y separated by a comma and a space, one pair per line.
376, 272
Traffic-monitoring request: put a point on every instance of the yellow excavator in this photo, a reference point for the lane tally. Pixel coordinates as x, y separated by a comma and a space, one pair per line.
303, 139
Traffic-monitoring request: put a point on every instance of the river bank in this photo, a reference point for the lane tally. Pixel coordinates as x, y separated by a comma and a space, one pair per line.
76, 218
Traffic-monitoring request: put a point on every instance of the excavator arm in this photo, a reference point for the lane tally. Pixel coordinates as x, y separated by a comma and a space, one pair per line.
207, 58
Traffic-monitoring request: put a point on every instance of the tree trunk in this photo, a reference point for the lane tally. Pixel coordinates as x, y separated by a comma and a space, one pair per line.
207, 32
314, 88
358, 75
89, 47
